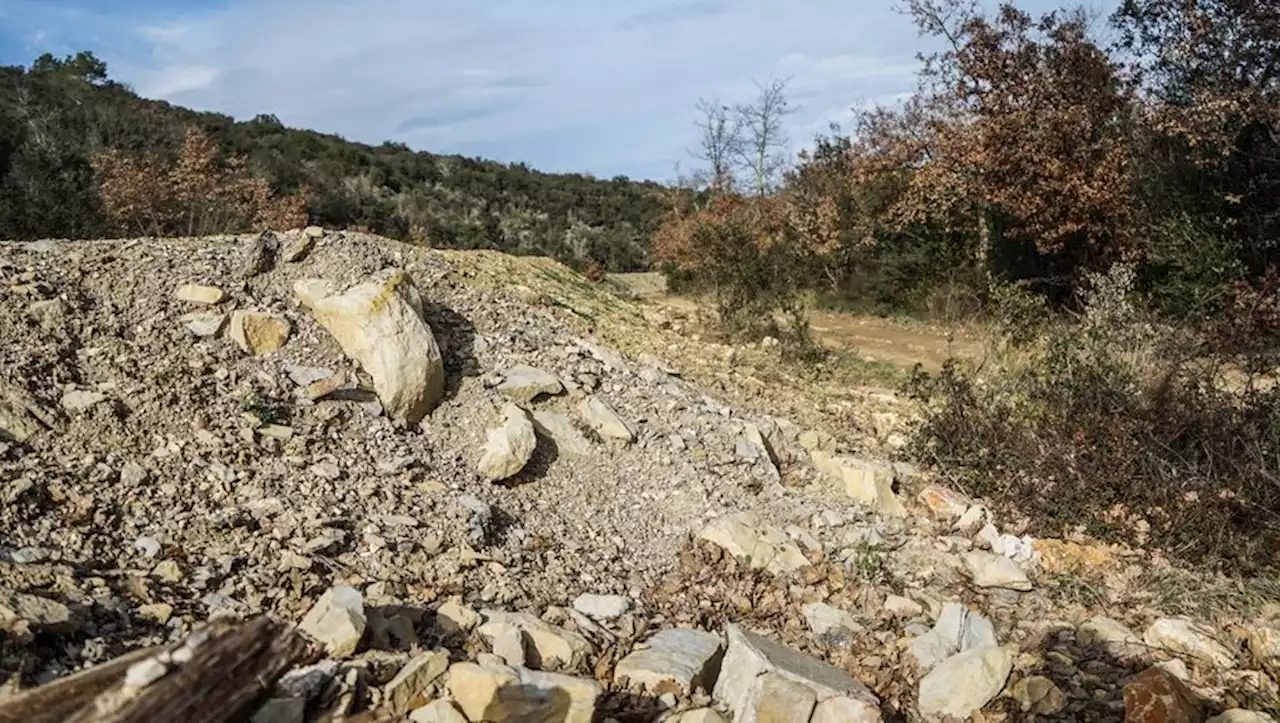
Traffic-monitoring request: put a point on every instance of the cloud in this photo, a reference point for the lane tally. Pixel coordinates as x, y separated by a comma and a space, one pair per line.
571, 85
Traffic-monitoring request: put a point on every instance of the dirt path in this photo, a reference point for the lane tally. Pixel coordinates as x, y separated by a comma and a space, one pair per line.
871, 337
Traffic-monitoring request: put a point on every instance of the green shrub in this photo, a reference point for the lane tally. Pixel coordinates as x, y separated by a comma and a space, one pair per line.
1118, 428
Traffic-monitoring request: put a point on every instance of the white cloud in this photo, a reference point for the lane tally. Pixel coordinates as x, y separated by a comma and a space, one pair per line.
560, 84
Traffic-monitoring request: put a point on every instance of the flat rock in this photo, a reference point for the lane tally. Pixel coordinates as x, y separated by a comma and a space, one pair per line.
258, 332
602, 607
561, 430
81, 399
957, 629
408, 689
1038, 695
988, 570
504, 693
39, 613
777, 699
675, 660
962, 684
380, 324
842, 709
750, 656
1183, 636
439, 711
304, 375
870, 483
453, 617
601, 418
745, 535
901, 607
509, 446
198, 294
523, 384
944, 503
204, 324
1157, 696
827, 621
337, 620
548, 647
1111, 637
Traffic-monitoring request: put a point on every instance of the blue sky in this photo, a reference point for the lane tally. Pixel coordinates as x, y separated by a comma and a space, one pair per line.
602, 86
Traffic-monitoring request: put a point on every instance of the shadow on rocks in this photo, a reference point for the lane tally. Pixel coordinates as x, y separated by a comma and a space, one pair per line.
456, 336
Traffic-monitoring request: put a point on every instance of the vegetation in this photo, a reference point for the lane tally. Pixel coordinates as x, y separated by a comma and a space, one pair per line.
81, 156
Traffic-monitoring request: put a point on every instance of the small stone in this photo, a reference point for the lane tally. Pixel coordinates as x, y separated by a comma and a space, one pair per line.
455, 618
440, 711
674, 660
307, 683
562, 432
258, 332
40, 613
276, 431
326, 470
168, 571
1038, 695
133, 474
901, 607
750, 656
549, 647
988, 570
337, 620
1182, 636
745, 535
197, 294
944, 503
290, 560
281, 710
1111, 637
523, 384
316, 391
408, 689
145, 672
962, 684
602, 607
304, 375
203, 324
1156, 696
841, 709
503, 693
1176, 667
80, 400
825, 620
148, 546
298, 246
606, 422
158, 612
509, 446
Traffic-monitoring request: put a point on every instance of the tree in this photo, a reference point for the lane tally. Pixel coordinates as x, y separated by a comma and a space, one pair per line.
83, 66
764, 143
719, 143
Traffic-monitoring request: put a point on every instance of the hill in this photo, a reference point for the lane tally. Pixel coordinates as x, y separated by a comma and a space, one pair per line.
59, 114
564, 498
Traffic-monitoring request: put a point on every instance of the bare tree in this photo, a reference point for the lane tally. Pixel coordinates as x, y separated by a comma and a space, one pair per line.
764, 137
719, 142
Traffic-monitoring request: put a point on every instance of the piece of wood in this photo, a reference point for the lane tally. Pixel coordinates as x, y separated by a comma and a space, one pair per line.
56, 701
217, 674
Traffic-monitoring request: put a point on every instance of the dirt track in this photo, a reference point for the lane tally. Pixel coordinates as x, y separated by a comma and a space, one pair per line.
871, 337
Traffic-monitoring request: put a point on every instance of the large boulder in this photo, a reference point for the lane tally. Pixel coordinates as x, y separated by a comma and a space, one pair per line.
380, 324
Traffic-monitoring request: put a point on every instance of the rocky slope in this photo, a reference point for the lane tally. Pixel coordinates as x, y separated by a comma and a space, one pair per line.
466, 474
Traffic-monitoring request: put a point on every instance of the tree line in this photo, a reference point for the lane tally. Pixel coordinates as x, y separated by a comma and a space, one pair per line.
82, 156
1031, 153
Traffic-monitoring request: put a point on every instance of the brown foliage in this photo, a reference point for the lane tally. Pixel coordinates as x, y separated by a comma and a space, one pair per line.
1021, 118
195, 194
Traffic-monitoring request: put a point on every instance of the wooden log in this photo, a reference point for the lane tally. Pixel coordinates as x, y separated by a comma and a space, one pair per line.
217, 674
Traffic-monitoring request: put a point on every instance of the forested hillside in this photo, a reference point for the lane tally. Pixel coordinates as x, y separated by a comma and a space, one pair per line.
61, 117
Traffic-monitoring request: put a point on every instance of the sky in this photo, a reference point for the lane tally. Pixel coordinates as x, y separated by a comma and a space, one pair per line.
606, 87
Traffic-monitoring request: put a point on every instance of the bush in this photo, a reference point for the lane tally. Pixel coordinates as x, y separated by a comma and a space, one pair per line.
1119, 429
